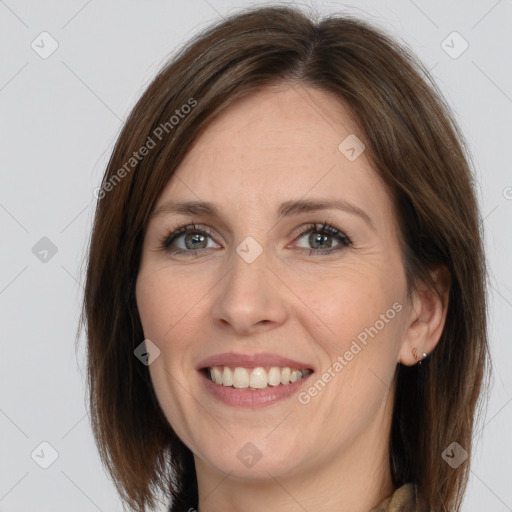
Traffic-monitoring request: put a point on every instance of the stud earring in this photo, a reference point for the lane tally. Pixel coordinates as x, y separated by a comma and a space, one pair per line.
415, 354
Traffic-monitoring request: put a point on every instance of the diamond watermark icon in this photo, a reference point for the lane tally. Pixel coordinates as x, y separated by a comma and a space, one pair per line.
147, 352
352, 147
44, 250
44, 45
249, 455
249, 249
44, 455
454, 45
454, 455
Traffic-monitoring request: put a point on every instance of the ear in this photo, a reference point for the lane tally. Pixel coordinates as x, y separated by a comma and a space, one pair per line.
427, 316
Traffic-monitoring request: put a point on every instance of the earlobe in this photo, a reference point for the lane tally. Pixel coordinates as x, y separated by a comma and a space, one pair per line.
426, 319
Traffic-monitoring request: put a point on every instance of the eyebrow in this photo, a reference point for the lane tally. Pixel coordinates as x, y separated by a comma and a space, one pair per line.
286, 209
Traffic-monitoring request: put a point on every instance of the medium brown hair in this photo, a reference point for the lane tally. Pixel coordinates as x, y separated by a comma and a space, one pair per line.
412, 141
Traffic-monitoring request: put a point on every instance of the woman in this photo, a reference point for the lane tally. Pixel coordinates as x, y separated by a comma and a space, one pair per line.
285, 298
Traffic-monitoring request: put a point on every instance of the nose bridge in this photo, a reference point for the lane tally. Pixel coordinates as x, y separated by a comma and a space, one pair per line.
248, 275
249, 296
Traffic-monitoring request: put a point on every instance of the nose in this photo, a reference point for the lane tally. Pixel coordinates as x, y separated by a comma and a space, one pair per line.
250, 297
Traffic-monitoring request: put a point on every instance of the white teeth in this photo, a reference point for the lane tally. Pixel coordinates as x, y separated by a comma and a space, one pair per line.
255, 378
217, 376
295, 375
258, 378
227, 376
274, 376
240, 378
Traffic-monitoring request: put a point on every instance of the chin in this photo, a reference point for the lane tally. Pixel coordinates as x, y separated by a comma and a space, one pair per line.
254, 457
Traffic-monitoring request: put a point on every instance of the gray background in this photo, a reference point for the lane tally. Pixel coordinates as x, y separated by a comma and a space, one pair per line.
59, 118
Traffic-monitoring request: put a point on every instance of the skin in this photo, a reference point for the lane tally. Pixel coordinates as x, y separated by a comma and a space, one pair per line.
332, 453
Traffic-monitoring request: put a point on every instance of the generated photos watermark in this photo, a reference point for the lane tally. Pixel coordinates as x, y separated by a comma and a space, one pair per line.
305, 397
157, 135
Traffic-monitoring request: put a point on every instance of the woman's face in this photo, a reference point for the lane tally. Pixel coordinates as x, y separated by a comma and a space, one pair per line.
261, 286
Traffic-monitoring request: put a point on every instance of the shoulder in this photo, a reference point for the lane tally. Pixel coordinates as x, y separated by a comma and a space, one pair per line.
403, 499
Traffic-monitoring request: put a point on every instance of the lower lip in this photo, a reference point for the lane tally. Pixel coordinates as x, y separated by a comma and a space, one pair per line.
251, 398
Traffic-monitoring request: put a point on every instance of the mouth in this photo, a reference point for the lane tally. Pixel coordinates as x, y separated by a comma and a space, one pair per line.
243, 380
254, 378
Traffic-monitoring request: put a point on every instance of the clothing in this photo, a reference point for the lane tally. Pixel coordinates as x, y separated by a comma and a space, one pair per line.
403, 499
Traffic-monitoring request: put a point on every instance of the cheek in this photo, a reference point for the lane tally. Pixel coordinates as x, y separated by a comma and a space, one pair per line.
362, 325
351, 304
150, 304
165, 323
362, 319
163, 303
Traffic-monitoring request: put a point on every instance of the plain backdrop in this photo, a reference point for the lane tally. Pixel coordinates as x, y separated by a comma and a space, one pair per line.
60, 114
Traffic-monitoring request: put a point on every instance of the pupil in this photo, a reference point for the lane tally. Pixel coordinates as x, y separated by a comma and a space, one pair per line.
196, 237
319, 238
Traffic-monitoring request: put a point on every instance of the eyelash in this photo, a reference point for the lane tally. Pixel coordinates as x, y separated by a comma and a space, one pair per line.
325, 228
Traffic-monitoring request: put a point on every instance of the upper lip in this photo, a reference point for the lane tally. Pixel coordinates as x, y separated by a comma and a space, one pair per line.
234, 359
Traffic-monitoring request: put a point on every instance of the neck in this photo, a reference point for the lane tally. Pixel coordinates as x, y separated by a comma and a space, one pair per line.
356, 479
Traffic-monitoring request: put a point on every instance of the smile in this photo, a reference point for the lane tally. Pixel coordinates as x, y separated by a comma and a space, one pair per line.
254, 378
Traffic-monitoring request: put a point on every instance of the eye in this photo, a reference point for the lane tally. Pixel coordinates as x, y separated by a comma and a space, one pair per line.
192, 238
187, 239
320, 238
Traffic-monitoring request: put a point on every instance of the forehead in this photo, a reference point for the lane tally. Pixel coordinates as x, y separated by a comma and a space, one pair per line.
278, 144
